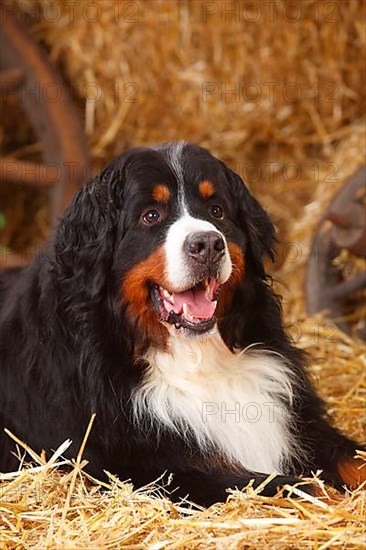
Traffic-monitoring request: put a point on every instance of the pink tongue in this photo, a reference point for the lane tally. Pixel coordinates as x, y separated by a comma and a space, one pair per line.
198, 305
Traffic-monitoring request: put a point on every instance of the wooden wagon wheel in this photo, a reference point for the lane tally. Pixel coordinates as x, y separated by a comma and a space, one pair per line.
26, 71
342, 227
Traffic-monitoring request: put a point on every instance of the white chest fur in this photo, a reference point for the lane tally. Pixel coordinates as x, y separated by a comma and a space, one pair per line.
232, 401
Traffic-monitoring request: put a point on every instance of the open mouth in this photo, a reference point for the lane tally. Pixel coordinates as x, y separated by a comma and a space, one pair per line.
193, 309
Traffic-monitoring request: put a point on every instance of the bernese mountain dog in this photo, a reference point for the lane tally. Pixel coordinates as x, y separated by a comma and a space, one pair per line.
151, 307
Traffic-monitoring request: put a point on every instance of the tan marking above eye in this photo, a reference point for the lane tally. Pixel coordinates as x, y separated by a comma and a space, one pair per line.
161, 193
206, 189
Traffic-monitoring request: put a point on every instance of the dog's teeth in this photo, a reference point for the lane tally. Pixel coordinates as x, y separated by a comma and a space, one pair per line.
215, 302
172, 299
185, 309
166, 293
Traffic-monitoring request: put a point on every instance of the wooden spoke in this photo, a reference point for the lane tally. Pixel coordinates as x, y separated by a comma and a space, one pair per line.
11, 79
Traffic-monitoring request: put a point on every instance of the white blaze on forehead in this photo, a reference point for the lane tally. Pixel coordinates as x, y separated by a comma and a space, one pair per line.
174, 158
178, 271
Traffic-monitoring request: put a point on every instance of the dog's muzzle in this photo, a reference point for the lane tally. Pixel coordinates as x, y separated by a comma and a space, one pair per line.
198, 264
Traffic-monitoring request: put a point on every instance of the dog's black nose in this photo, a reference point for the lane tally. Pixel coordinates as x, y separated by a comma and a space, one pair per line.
207, 247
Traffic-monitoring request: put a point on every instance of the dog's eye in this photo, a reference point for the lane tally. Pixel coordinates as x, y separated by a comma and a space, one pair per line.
151, 216
216, 211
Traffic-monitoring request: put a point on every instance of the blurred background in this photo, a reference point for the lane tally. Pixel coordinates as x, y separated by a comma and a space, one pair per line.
274, 88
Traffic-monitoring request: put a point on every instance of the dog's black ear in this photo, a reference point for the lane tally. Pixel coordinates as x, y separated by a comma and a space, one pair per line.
255, 221
84, 237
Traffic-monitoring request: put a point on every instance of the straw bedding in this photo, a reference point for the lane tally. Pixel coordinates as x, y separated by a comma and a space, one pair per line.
287, 150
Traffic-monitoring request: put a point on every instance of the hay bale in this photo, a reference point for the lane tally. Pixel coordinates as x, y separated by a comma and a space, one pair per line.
297, 89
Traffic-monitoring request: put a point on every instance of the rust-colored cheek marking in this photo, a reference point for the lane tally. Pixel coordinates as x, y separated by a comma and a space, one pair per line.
237, 259
206, 189
161, 193
352, 472
237, 275
135, 292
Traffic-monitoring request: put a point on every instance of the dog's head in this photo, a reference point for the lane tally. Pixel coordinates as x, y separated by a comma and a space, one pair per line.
172, 232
